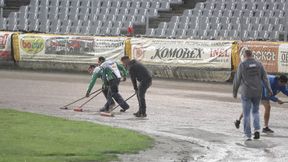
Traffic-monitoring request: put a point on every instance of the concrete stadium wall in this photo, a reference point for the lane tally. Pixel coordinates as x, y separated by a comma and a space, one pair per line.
53, 66
189, 73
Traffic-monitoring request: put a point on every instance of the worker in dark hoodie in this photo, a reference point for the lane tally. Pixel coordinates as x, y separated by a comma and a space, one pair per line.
138, 73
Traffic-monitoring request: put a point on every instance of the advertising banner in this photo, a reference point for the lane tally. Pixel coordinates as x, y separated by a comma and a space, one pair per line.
265, 52
188, 53
72, 49
5, 46
283, 58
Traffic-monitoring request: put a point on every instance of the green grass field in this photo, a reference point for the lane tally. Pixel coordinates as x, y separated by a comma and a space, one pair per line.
27, 137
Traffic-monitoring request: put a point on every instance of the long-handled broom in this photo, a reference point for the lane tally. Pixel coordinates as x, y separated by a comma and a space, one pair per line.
79, 108
109, 113
65, 107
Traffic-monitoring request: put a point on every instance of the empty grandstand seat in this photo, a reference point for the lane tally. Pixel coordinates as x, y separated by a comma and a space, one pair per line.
150, 32
44, 25
3, 23
22, 24
84, 30
115, 31
12, 21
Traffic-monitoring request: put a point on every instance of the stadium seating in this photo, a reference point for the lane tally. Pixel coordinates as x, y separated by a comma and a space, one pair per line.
228, 19
212, 19
85, 17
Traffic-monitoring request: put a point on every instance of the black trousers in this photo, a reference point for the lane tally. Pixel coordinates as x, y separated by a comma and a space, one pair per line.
113, 92
142, 89
105, 92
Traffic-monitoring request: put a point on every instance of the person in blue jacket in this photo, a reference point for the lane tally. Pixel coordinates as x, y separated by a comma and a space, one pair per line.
278, 84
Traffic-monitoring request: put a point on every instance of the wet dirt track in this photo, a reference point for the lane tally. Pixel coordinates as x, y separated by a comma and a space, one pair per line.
190, 121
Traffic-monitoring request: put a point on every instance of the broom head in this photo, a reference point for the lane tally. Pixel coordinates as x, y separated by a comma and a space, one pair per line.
78, 109
108, 114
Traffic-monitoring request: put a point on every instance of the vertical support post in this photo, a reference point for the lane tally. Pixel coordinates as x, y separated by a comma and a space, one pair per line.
2, 5
147, 23
286, 29
241, 28
1, 11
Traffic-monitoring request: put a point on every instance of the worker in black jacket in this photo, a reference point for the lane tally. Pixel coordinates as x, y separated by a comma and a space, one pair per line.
138, 73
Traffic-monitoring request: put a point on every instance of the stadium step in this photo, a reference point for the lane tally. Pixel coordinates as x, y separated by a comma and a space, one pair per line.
176, 10
13, 6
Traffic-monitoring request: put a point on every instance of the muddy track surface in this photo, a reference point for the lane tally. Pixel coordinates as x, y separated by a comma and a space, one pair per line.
189, 121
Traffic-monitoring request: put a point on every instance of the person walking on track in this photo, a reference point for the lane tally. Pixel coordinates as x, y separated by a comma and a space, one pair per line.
110, 74
278, 84
138, 73
250, 75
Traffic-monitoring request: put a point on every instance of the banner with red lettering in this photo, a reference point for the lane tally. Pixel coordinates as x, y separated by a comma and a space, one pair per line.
5, 46
178, 52
283, 58
69, 49
265, 52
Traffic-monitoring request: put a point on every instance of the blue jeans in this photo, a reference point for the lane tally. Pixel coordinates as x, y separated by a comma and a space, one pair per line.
249, 104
